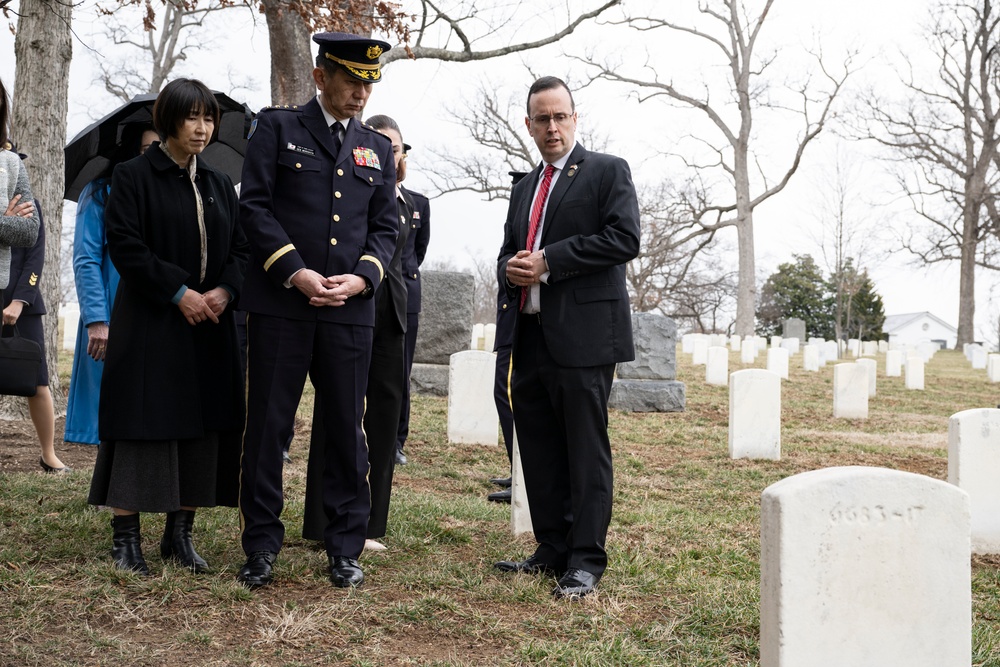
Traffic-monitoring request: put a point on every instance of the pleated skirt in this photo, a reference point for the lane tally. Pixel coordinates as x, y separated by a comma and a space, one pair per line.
158, 475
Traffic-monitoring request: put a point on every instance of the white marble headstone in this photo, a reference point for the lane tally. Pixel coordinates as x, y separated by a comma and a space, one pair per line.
893, 363
754, 415
777, 361
850, 391
717, 367
472, 412
699, 354
871, 367
810, 357
974, 467
865, 567
915, 373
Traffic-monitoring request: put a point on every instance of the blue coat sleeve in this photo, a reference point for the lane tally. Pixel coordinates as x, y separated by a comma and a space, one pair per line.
89, 258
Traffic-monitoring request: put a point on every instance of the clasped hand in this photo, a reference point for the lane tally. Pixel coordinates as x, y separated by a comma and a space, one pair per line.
526, 268
197, 307
328, 291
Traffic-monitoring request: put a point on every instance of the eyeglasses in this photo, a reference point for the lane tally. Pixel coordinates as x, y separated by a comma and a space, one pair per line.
559, 118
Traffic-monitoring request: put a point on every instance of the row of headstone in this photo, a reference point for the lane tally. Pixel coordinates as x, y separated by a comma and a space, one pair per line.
483, 336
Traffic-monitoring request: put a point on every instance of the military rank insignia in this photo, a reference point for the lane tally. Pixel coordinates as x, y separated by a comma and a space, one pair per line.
366, 157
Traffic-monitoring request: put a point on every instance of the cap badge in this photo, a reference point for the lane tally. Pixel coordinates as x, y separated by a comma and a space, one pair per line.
374, 52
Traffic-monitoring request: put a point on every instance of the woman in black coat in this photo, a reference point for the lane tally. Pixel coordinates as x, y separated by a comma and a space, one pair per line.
172, 402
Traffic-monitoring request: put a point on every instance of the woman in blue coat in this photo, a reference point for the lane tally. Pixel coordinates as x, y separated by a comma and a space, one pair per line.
96, 285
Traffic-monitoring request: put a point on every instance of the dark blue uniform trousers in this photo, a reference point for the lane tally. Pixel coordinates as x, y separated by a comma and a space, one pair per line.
280, 352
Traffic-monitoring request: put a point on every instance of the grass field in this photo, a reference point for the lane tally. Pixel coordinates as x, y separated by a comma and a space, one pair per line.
681, 589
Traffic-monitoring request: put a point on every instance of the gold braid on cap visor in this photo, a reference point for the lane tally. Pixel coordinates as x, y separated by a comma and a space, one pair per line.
362, 71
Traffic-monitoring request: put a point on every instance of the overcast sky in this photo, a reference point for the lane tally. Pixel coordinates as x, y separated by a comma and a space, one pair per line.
419, 94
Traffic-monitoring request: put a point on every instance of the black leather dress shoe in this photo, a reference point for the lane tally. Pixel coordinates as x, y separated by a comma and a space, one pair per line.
285, 458
345, 572
500, 496
502, 482
575, 584
401, 458
530, 565
256, 572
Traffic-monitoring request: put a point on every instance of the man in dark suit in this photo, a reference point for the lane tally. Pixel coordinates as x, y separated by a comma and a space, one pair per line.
413, 257
318, 205
572, 225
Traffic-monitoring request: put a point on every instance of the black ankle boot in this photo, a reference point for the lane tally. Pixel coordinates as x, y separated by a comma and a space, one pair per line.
126, 548
176, 543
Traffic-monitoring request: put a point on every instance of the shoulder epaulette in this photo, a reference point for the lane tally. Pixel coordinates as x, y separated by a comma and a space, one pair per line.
281, 107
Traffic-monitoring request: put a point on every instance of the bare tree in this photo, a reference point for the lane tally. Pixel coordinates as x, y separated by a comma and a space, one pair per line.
669, 247
43, 48
845, 235
944, 140
706, 300
455, 31
493, 117
165, 39
732, 162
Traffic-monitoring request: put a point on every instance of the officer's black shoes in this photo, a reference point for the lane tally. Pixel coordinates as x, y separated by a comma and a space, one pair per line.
530, 565
345, 572
256, 572
500, 496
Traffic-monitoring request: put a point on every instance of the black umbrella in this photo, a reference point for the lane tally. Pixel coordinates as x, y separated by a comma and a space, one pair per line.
91, 151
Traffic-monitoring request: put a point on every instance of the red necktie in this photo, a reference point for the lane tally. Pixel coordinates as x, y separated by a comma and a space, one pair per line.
536, 218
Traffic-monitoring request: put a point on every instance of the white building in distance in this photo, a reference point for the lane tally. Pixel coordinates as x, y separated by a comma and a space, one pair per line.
915, 328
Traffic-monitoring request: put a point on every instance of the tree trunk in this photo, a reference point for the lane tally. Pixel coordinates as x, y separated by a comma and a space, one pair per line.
43, 48
746, 289
967, 275
291, 55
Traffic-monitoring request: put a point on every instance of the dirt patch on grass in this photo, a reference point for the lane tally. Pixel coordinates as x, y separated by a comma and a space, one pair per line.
20, 451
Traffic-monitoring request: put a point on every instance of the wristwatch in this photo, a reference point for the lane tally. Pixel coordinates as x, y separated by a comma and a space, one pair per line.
367, 291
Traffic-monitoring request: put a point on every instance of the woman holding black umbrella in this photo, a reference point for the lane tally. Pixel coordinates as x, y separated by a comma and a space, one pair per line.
96, 285
171, 408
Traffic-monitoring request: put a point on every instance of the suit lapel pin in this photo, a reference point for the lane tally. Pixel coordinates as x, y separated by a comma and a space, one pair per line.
571, 172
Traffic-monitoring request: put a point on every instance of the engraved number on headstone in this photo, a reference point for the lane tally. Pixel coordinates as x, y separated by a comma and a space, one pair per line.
863, 515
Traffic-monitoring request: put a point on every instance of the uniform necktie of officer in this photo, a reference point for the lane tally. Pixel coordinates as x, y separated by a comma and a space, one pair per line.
536, 218
337, 129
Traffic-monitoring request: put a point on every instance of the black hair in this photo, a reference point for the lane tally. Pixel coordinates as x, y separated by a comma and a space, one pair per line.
383, 122
176, 102
4, 116
549, 83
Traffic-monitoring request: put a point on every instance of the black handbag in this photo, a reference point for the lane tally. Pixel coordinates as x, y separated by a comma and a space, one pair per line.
19, 362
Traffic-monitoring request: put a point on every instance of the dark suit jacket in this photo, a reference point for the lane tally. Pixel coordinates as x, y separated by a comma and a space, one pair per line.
394, 286
590, 231
416, 248
304, 206
25, 272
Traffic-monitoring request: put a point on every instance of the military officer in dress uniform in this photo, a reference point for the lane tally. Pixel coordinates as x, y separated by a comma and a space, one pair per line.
413, 256
318, 205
